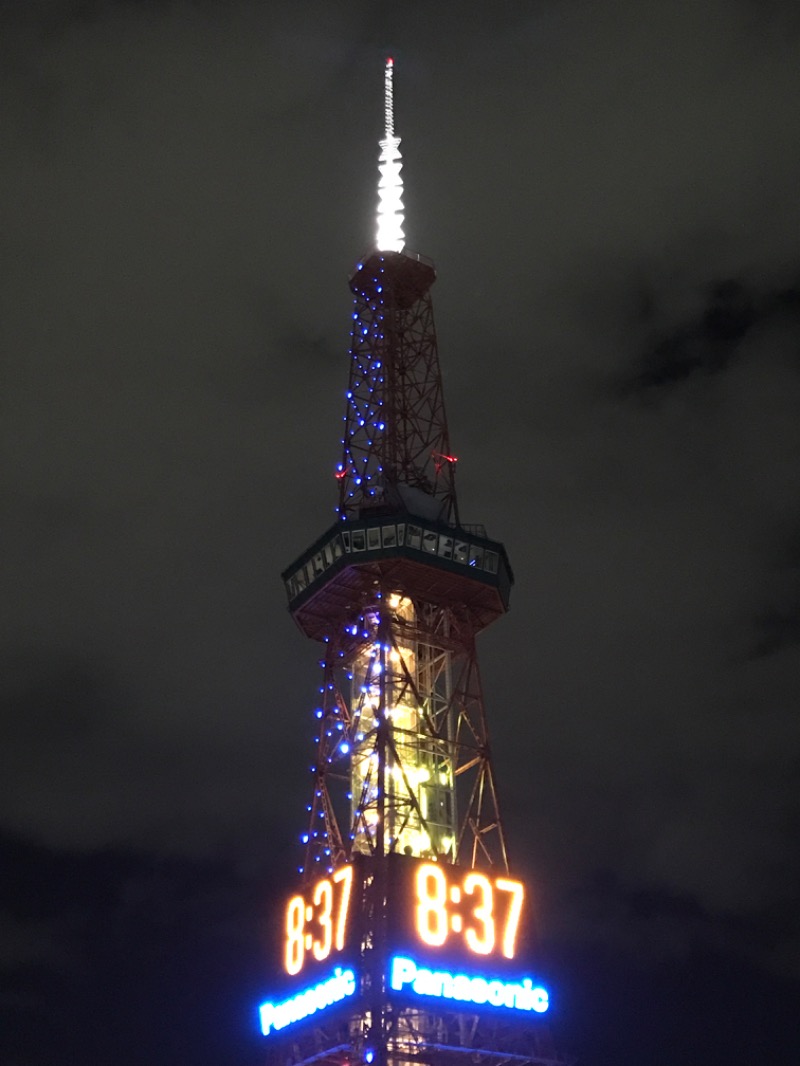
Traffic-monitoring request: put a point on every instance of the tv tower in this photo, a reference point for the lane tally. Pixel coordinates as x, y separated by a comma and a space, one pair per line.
406, 937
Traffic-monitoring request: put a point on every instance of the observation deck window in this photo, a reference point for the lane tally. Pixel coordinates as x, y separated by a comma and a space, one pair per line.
429, 540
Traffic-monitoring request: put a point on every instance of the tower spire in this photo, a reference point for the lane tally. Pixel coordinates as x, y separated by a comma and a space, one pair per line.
390, 236
388, 96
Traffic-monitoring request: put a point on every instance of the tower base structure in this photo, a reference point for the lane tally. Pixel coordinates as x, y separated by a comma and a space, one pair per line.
397, 959
412, 1036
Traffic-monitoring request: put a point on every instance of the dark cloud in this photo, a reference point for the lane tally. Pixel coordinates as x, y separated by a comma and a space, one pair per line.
147, 956
710, 342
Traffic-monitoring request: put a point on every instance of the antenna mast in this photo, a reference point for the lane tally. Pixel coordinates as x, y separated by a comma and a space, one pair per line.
390, 236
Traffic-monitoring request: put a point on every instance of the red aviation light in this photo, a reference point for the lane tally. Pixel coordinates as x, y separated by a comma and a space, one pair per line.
439, 459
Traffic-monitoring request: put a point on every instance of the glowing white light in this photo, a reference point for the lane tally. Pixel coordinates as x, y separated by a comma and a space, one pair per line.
390, 236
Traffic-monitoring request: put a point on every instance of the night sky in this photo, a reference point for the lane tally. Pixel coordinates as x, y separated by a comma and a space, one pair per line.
610, 193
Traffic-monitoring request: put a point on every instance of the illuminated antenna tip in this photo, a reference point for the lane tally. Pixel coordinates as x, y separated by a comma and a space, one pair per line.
390, 236
388, 97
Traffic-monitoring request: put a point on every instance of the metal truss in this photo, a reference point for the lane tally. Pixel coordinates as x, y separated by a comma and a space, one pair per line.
430, 1038
396, 437
403, 761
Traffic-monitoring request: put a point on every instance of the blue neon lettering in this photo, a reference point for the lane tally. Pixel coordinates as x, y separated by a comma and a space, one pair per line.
480, 990
275, 1016
496, 993
406, 976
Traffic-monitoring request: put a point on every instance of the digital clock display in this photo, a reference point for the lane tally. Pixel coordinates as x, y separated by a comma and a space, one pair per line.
443, 932
317, 921
456, 911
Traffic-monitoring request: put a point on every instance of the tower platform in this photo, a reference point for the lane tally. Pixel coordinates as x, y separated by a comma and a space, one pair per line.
425, 559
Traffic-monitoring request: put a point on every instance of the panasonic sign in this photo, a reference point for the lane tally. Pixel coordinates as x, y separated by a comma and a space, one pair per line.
276, 1016
406, 976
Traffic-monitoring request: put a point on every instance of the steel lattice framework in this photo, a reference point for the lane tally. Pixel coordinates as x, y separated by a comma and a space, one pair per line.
396, 592
396, 442
403, 732
403, 761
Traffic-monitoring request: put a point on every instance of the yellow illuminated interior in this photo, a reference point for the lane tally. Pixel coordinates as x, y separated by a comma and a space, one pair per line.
406, 679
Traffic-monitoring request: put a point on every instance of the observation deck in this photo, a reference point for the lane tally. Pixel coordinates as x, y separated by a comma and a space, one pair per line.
427, 560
